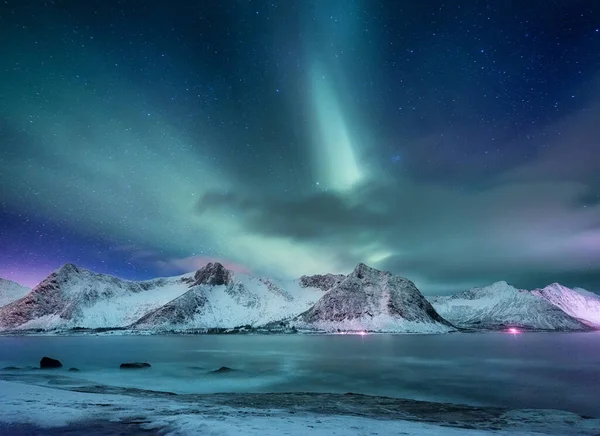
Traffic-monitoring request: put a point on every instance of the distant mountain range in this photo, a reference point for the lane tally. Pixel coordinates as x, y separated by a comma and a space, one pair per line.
216, 299
501, 306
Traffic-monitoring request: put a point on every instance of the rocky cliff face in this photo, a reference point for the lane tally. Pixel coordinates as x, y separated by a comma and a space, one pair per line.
213, 274
373, 300
501, 306
323, 282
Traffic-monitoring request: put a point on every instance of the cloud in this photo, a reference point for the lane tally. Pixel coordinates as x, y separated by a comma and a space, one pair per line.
436, 234
173, 265
306, 218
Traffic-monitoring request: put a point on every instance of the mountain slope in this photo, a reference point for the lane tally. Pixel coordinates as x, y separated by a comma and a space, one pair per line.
583, 305
372, 300
323, 282
500, 305
75, 297
11, 291
223, 299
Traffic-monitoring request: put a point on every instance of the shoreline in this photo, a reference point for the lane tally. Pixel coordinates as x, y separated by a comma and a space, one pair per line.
260, 332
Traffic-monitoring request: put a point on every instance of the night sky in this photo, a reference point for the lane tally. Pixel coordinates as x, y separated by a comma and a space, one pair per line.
455, 143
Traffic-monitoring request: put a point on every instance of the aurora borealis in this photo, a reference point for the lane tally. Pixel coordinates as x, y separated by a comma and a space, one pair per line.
454, 143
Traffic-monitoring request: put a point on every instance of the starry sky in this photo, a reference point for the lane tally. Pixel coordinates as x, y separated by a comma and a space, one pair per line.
453, 143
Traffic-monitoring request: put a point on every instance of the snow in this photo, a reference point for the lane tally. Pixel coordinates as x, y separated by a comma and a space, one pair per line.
303, 425
128, 308
49, 408
500, 305
11, 291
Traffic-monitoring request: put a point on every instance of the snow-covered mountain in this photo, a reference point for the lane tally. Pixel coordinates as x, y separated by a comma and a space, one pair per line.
11, 291
580, 304
224, 299
501, 305
75, 297
372, 300
214, 297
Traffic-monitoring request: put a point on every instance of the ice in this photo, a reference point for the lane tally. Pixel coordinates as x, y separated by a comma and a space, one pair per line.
44, 407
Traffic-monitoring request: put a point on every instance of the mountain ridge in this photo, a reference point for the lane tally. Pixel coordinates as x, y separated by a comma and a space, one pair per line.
367, 299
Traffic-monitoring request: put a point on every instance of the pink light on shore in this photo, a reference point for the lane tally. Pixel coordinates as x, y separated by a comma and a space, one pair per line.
513, 331
360, 333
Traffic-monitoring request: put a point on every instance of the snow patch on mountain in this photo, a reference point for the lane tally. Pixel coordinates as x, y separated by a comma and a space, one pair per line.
373, 300
580, 304
75, 297
238, 300
11, 291
501, 305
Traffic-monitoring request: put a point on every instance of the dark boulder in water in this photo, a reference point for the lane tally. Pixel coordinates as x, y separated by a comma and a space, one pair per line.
135, 365
11, 368
48, 362
223, 369
73, 369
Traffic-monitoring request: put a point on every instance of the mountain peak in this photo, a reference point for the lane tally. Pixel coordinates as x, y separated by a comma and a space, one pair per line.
555, 285
582, 305
212, 274
501, 283
372, 300
69, 271
362, 271
68, 268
